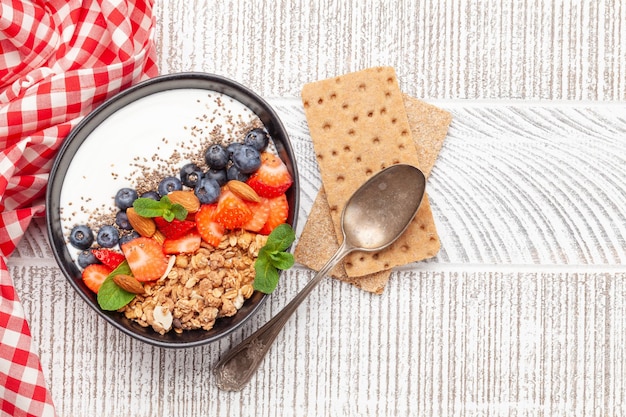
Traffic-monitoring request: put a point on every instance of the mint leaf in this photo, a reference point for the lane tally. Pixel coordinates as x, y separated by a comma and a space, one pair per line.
122, 268
281, 260
179, 211
168, 215
110, 296
273, 257
146, 207
266, 278
280, 238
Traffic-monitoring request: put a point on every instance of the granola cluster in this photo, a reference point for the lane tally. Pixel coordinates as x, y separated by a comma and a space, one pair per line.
200, 287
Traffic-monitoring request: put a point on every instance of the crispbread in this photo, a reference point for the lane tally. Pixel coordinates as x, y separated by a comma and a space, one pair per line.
429, 128
359, 126
428, 125
317, 243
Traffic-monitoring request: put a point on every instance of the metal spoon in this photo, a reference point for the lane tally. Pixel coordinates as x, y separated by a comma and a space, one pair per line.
374, 217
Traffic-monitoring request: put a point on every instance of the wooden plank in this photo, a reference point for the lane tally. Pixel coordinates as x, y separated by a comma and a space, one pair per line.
521, 312
436, 343
568, 50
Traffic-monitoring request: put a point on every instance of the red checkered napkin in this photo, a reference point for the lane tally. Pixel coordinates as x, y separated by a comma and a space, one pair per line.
58, 60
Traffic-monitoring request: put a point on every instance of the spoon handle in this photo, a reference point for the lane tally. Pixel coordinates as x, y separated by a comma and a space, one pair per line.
236, 368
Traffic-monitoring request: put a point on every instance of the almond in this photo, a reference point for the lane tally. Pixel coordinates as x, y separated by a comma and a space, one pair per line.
159, 237
187, 199
243, 191
145, 226
128, 283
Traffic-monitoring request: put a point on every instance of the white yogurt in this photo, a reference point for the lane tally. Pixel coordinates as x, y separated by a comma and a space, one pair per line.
181, 120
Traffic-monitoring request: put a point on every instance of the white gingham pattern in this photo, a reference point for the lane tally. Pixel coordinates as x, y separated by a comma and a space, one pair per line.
59, 59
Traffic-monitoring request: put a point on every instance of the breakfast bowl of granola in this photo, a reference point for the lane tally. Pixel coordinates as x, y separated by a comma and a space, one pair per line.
171, 208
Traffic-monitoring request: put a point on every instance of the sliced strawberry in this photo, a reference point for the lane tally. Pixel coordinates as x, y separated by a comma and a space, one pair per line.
279, 211
145, 258
272, 178
108, 257
94, 275
232, 212
210, 230
186, 244
174, 229
260, 213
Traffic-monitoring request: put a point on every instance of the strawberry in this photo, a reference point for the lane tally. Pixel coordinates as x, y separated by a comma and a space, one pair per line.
94, 275
145, 258
260, 213
186, 244
231, 212
174, 229
210, 230
108, 257
279, 211
272, 178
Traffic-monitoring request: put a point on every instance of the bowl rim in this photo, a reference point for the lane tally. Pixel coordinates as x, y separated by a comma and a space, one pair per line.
62, 161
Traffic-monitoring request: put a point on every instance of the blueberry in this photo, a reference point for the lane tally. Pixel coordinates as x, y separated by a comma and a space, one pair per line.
247, 159
169, 184
207, 191
125, 198
108, 236
232, 147
121, 220
81, 237
128, 237
216, 157
257, 138
233, 173
190, 174
218, 175
86, 258
152, 195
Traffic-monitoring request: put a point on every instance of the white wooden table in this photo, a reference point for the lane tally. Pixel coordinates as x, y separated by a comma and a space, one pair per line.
523, 311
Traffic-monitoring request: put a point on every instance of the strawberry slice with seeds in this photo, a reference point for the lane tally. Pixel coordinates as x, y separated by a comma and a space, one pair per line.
210, 230
186, 244
260, 213
272, 178
108, 257
94, 275
145, 258
279, 211
232, 212
174, 229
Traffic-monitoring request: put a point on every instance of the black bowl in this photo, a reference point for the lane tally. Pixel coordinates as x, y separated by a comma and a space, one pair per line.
164, 96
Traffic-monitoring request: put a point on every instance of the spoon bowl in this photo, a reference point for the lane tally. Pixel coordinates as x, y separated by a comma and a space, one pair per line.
374, 217
382, 208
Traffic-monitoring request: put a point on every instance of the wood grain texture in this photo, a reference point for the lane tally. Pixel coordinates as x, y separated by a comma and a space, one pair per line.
460, 49
521, 313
